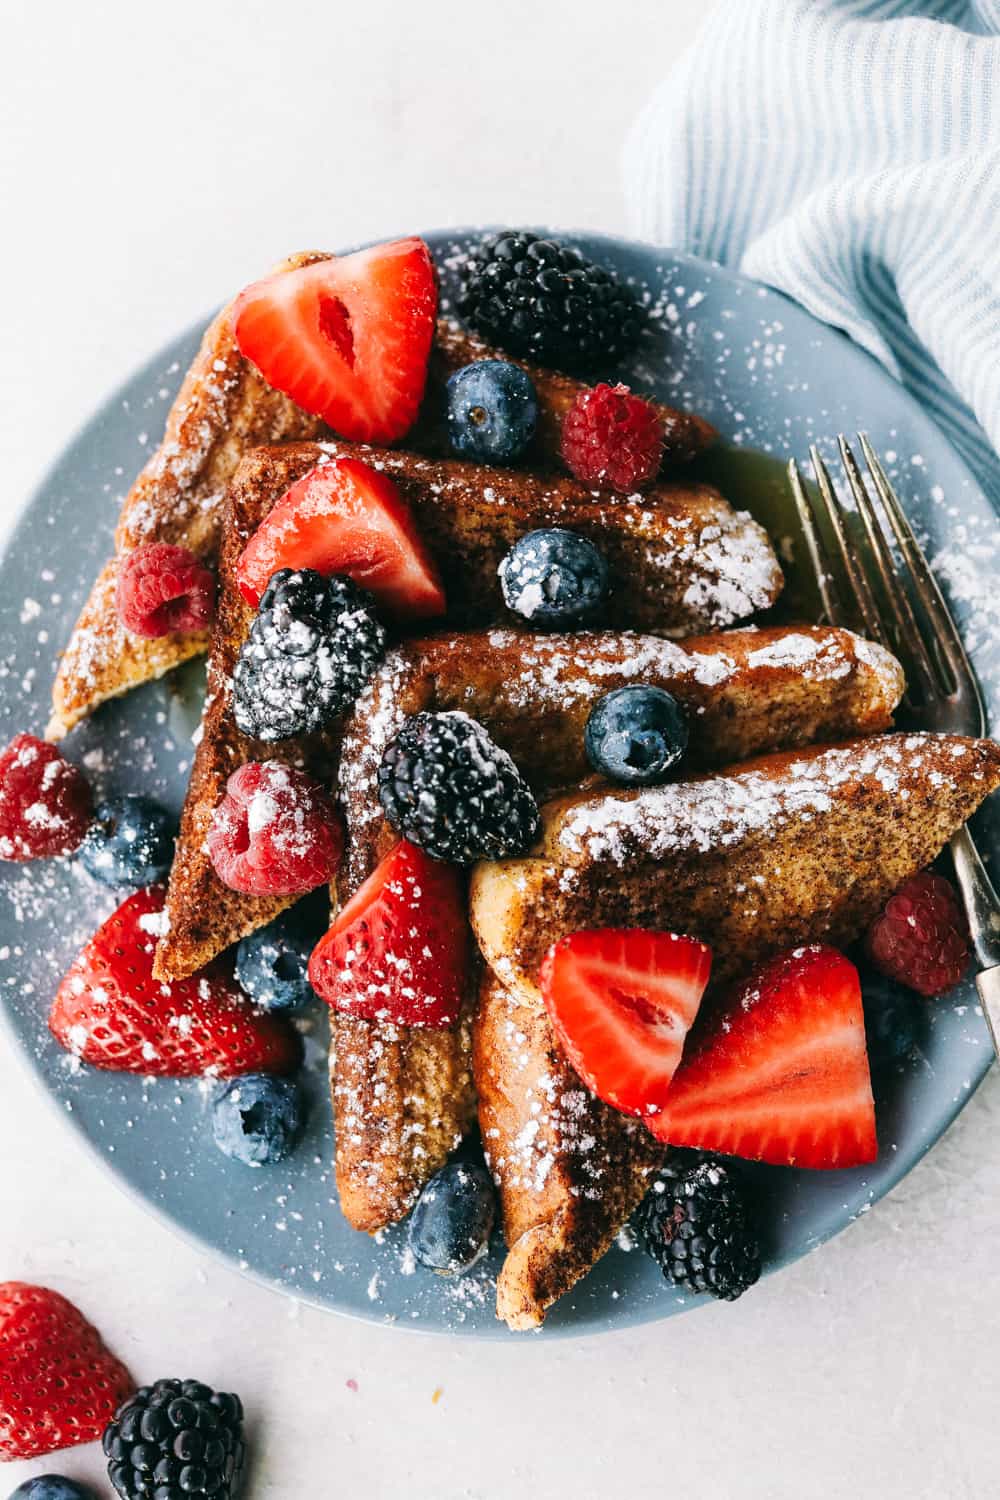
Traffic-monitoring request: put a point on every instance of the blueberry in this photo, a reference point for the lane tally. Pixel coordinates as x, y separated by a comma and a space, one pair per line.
272, 963
554, 578
51, 1487
895, 1019
492, 411
452, 1222
130, 842
256, 1119
636, 735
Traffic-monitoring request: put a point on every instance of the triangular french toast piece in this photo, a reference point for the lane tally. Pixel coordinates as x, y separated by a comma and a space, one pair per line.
776, 852
224, 407
789, 849
569, 1168
468, 516
744, 690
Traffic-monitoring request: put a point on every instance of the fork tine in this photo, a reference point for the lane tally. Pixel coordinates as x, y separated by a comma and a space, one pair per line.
925, 584
909, 641
814, 545
859, 583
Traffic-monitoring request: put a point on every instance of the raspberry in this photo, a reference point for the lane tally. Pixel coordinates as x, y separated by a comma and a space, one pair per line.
922, 938
44, 801
613, 438
164, 590
275, 833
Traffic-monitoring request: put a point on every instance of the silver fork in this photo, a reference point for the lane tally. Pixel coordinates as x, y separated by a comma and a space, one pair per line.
912, 619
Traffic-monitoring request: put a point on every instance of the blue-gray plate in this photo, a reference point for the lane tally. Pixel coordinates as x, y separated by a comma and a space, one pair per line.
773, 380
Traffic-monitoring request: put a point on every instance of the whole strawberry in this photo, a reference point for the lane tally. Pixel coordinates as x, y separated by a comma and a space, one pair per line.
110, 1011
44, 801
59, 1385
922, 937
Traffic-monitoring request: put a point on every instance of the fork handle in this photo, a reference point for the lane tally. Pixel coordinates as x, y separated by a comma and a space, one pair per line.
988, 985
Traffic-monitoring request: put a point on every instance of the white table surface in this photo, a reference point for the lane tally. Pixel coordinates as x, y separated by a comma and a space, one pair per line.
152, 158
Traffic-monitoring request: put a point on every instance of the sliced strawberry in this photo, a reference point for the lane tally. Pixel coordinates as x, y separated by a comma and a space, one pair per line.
621, 1001
59, 1385
780, 1074
346, 517
110, 1011
399, 950
348, 339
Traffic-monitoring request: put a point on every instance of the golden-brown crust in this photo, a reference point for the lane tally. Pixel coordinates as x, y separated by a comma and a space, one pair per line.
103, 660
569, 1168
800, 847
203, 915
403, 1099
223, 407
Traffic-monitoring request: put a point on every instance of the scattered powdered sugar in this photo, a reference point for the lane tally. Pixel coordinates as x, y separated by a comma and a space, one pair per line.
262, 810
660, 822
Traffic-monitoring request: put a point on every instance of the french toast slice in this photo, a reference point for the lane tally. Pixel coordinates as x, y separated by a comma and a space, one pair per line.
775, 852
786, 850
569, 1168
467, 525
224, 407
744, 690
680, 559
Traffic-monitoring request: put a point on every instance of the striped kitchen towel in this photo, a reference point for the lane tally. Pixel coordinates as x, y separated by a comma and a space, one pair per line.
848, 153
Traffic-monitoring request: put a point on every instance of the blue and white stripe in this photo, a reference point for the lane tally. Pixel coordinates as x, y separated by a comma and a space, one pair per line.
848, 152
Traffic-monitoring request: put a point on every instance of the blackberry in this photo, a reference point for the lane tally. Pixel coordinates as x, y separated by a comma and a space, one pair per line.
450, 790
539, 299
176, 1439
313, 646
698, 1229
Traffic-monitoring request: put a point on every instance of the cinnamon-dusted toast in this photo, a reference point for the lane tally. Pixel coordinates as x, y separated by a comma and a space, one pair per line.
569, 1168
786, 850
753, 853
223, 409
468, 516
680, 559
743, 689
